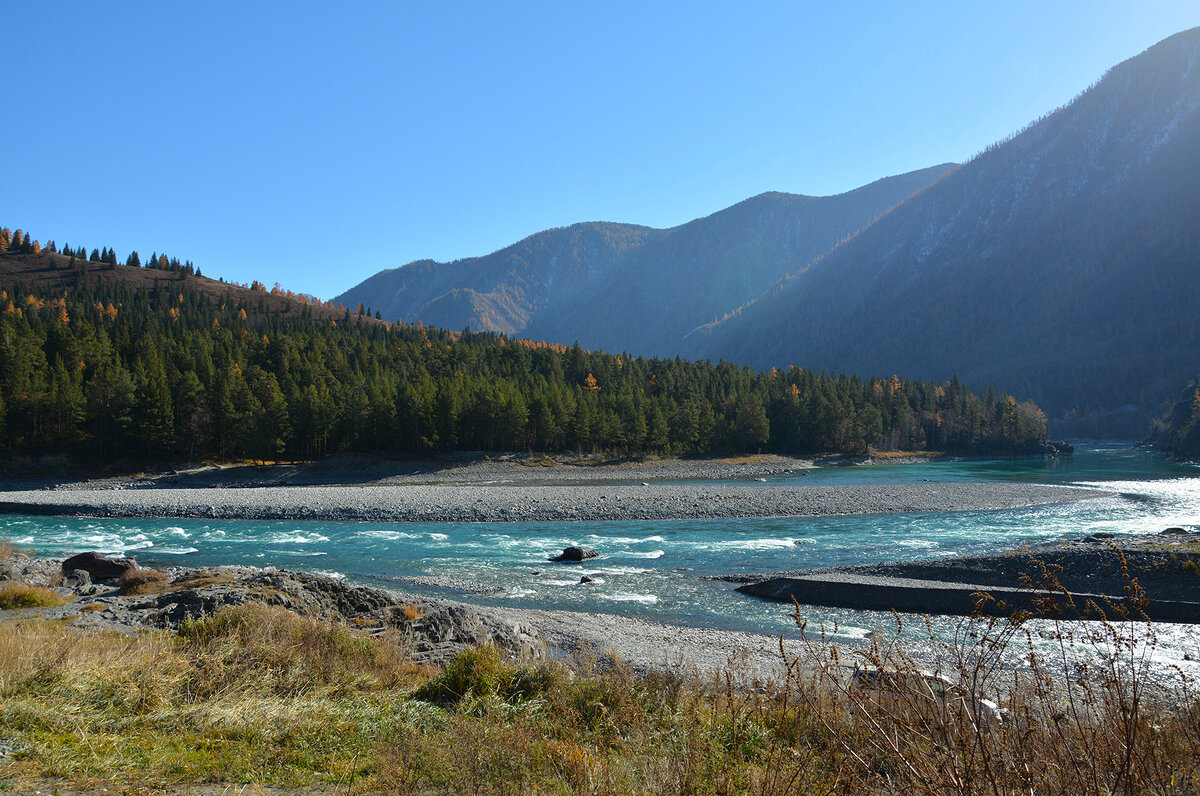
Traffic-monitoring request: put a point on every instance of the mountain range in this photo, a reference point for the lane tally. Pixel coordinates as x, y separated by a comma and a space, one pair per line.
622, 287
1060, 264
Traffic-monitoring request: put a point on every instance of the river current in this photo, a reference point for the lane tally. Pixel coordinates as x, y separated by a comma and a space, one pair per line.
658, 569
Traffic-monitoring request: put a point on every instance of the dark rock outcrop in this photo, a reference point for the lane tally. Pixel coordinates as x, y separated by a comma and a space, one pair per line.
575, 553
98, 566
428, 631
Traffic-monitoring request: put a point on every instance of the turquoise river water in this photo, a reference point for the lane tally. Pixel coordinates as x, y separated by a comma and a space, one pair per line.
656, 569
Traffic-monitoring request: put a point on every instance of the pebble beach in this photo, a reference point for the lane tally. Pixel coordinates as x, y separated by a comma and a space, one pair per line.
532, 503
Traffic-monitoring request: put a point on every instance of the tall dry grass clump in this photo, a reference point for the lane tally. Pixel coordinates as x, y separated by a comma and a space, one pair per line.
1085, 710
265, 649
141, 581
21, 595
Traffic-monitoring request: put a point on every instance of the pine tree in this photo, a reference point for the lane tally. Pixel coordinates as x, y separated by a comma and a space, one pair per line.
155, 417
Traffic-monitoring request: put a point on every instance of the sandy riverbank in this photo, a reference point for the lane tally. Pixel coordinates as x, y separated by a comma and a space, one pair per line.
532, 503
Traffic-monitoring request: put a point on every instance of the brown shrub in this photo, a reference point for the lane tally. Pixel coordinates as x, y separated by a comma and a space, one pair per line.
142, 581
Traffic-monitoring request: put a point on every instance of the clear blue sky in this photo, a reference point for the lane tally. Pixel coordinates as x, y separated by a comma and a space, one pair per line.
315, 144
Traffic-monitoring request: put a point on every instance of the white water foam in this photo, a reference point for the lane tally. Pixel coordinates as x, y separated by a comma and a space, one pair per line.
624, 539
296, 537
390, 536
767, 543
924, 544
630, 597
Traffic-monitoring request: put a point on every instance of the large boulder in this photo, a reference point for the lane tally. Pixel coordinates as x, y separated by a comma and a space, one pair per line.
445, 631
98, 566
574, 553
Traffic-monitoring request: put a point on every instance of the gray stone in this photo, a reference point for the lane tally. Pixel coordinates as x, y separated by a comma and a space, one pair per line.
77, 579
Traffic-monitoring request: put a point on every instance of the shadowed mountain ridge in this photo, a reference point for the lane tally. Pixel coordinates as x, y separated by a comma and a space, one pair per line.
626, 287
1059, 265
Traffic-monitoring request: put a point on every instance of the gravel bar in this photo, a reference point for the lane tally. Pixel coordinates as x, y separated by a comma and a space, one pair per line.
537, 503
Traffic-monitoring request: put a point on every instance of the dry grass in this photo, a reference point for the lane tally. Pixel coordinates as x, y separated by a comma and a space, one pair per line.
886, 455
198, 580
258, 695
143, 581
20, 595
749, 458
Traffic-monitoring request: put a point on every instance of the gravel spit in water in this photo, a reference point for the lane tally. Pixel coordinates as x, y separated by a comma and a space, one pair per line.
537, 503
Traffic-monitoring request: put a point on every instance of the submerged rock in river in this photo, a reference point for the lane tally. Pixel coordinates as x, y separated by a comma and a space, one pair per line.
575, 553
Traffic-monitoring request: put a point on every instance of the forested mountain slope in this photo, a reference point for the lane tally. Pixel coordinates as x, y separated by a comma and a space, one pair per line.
121, 364
1179, 432
1062, 264
628, 288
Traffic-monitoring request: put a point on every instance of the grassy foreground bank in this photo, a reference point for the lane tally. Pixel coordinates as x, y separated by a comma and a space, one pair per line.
258, 695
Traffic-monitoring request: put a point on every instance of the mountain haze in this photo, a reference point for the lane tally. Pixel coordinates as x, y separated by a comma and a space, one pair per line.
625, 287
1062, 265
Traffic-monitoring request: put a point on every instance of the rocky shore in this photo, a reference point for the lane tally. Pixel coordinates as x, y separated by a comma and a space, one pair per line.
428, 630
530, 503
432, 630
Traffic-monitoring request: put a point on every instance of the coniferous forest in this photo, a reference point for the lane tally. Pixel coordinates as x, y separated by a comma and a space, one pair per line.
102, 366
1179, 431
